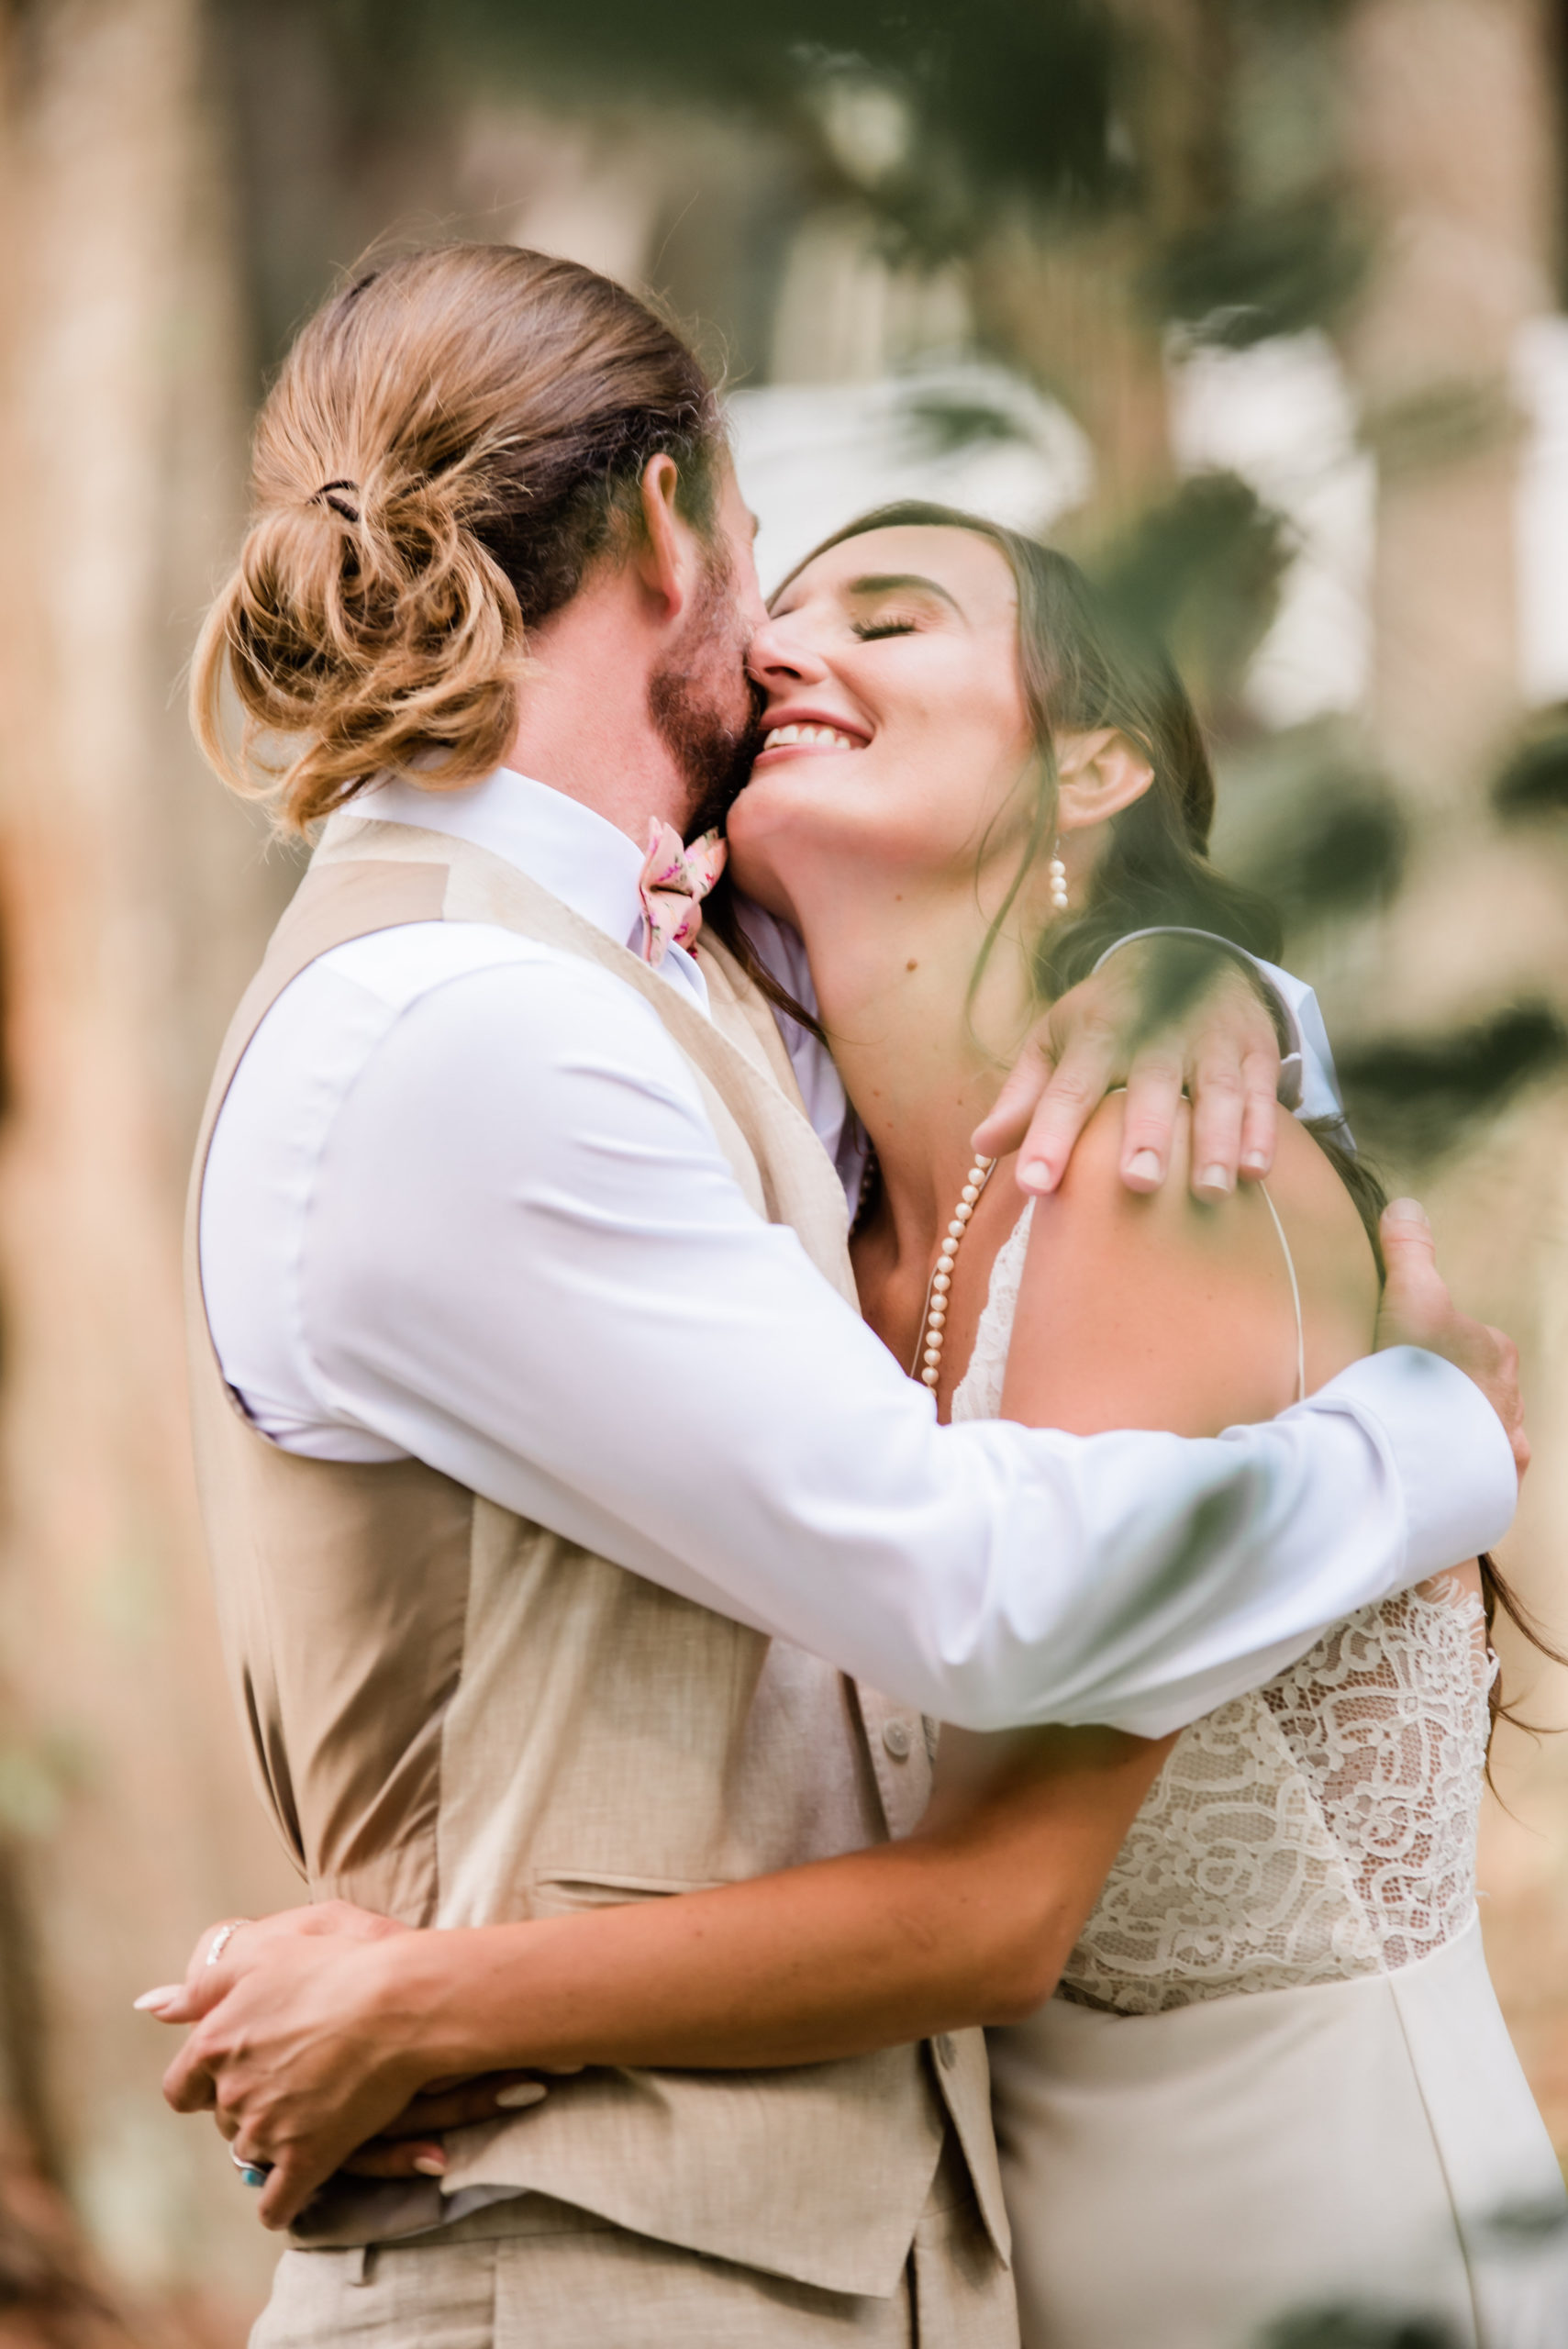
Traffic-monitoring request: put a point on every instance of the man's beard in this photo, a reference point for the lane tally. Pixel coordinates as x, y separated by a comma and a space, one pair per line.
705, 706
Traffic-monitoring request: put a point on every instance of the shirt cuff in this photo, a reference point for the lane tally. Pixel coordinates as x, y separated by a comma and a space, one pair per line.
1285, 1022
1454, 1463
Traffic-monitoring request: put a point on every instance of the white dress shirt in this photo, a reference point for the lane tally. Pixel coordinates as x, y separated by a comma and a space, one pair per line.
463, 1203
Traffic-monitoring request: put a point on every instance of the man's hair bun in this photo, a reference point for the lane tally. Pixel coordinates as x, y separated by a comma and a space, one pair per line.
450, 442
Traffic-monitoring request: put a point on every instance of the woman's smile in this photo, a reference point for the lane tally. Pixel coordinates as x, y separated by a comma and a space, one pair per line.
807, 733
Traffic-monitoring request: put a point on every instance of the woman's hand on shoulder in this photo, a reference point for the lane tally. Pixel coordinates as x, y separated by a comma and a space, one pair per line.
1166, 1013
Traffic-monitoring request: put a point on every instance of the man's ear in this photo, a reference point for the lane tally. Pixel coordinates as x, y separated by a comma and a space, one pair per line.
665, 554
1097, 776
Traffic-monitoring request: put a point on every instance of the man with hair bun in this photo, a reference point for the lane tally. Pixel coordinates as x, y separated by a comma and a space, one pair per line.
543, 1452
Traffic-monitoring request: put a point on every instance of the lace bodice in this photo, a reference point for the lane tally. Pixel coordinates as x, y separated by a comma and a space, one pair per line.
1320, 1828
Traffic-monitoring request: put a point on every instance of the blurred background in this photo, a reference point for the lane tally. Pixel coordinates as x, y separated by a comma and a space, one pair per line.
1257, 306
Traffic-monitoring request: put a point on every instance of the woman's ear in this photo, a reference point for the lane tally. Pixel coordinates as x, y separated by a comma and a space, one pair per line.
1098, 774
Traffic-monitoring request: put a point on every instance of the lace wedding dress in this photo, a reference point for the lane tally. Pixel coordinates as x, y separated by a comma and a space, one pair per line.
1274, 2083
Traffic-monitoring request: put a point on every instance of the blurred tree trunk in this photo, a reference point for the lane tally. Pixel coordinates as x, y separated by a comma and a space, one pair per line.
132, 905
1450, 135
1068, 301
1451, 138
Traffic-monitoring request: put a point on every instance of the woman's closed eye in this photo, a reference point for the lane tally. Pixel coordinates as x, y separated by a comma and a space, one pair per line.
869, 630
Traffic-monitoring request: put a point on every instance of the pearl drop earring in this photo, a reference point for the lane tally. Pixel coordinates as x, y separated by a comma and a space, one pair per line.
1056, 872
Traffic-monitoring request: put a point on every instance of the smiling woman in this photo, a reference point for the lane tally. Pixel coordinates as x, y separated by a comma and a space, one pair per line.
970, 779
1073, 667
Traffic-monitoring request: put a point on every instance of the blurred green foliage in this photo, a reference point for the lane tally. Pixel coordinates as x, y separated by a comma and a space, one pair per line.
1419, 1097
1534, 781
981, 115
1261, 271
1335, 845
1350, 2328
1000, 98
1202, 572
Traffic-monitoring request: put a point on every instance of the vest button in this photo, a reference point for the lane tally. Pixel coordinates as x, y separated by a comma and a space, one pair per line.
947, 2050
896, 1738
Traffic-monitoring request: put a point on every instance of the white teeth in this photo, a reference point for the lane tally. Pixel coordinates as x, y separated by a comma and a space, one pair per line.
782, 737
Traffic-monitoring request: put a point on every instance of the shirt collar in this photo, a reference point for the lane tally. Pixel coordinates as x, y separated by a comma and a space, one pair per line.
572, 850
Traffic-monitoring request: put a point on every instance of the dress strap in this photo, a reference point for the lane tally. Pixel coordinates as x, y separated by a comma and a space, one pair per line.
1294, 1298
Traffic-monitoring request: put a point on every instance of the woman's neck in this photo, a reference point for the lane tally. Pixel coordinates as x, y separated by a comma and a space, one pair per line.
921, 1061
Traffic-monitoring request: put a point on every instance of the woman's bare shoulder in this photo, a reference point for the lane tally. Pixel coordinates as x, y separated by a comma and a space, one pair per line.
1163, 1311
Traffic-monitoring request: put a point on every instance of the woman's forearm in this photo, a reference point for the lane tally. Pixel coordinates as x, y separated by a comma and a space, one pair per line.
968, 1922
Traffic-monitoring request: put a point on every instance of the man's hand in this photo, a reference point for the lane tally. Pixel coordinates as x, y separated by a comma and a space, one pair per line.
1419, 1311
1166, 1016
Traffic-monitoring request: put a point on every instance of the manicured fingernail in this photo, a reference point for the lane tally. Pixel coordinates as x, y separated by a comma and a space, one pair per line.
430, 2164
520, 2095
1144, 1167
1407, 1212
152, 2002
1215, 1179
1255, 1162
1035, 1174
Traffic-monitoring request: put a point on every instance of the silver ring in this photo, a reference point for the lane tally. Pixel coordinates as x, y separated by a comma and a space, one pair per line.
224, 1935
250, 2173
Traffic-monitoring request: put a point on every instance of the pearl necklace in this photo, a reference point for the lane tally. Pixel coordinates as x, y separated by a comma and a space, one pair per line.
929, 1345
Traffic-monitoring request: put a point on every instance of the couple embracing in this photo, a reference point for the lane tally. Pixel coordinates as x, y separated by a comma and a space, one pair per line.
781, 1560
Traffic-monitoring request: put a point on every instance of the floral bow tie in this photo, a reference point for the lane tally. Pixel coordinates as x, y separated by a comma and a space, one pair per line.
673, 878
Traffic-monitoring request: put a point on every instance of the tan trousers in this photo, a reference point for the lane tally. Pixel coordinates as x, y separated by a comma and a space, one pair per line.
533, 2274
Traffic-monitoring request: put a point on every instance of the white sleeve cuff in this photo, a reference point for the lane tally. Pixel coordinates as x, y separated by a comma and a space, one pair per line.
1454, 1463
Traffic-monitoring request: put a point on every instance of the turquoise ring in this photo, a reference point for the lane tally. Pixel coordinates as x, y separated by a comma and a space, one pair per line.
251, 2172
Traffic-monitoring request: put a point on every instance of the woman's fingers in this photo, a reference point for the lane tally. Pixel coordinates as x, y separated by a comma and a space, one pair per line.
406, 2157
162, 2002
1232, 1065
1260, 1110
228, 1947
411, 2145
1078, 1082
1168, 1013
1007, 1122
1153, 1103
1217, 1127
291, 2183
188, 2084
205, 1980
458, 2104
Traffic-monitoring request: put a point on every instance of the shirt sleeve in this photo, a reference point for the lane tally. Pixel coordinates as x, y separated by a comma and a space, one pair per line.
527, 1263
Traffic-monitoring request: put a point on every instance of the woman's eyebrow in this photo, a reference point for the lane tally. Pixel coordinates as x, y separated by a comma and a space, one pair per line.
883, 583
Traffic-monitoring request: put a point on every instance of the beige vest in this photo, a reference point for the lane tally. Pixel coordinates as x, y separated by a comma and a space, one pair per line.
459, 1717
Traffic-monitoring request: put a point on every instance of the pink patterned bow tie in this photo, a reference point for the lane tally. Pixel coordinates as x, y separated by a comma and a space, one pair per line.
673, 878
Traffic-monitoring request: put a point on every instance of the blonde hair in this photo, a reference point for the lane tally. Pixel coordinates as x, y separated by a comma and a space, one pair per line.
450, 443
